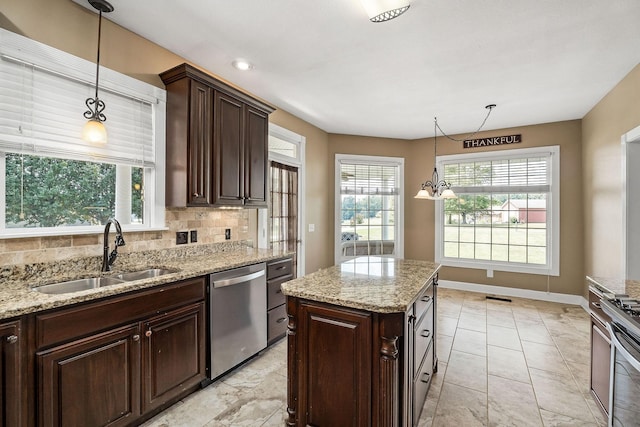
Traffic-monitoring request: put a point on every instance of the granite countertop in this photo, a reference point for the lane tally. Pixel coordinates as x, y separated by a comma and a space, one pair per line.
17, 297
616, 286
381, 285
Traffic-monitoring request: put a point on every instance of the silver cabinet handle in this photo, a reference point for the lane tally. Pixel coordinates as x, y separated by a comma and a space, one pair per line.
425, 333
12, 339
136, 337
425, 298
425, 378
596, 304
280, 320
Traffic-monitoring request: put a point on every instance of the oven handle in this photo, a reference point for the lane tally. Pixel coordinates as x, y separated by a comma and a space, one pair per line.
620, 347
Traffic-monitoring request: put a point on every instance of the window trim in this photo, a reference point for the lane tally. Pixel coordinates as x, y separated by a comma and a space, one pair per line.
552, 268
398, 216
65, 64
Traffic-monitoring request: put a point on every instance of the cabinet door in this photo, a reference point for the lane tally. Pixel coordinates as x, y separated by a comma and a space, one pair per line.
335, 370
600, 364
228, 146
173, 354
200, 159
10, 375
256, 156
94, 381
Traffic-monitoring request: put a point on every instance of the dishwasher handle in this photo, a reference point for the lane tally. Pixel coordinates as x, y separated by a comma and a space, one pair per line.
236, 280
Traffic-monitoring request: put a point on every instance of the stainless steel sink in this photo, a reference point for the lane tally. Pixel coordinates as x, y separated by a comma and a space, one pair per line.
77, 285
143, 274
98, 282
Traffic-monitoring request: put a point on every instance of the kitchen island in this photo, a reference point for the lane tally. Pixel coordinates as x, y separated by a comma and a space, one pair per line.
361, 343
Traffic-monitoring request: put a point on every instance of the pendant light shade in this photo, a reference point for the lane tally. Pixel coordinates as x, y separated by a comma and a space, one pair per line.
384, 10
94, 131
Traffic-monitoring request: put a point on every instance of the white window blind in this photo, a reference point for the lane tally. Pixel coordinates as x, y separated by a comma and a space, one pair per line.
500, 175
368, 179
42, 113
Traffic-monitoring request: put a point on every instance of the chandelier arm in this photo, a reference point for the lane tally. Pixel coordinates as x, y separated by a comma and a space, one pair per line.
490, 107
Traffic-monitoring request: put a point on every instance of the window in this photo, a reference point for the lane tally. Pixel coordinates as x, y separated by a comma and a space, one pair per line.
369, 206
52, 182
506, 216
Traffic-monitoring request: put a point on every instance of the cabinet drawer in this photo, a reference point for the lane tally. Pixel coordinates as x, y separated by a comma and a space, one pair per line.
66, 324
423, 302
279, 268
275, 297
276, 323
422, 337
421, 385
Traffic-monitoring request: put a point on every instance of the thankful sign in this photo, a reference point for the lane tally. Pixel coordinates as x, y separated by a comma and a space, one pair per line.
494, 140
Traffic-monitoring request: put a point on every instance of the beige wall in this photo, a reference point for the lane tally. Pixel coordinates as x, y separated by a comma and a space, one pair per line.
72, 28
317, 244
419, 214
616, 114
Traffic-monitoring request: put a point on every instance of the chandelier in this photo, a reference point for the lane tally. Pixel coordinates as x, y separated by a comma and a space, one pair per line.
436, 188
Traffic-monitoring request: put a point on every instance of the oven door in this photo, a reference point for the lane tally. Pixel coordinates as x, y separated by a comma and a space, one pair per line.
624, 398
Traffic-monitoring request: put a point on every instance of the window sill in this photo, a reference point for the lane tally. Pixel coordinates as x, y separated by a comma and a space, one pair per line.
496, 266
76, 231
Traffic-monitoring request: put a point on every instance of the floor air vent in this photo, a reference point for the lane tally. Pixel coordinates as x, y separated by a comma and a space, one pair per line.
498, 298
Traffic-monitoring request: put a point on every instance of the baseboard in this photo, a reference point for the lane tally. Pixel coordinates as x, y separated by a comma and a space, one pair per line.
516, 292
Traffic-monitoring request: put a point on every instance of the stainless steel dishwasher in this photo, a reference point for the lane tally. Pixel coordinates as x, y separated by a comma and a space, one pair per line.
238, 316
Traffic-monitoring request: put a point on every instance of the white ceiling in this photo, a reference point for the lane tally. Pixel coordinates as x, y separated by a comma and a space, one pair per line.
323, 61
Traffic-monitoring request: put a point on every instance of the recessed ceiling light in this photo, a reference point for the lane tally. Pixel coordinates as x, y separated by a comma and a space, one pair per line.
242, 65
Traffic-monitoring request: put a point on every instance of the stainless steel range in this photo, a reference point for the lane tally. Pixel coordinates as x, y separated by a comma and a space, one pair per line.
624, 328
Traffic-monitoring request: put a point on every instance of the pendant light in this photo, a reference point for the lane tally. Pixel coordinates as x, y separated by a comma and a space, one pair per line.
94, 131
384, 10
436, 188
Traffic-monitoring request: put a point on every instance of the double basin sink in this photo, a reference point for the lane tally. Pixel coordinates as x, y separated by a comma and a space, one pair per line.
99, 282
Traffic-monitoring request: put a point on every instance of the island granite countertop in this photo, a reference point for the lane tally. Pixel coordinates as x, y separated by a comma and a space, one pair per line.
616, 286
376, 284
17, 297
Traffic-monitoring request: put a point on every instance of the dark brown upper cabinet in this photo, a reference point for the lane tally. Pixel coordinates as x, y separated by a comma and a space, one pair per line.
217, 137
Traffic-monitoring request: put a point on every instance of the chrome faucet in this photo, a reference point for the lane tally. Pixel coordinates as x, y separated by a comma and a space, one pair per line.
109, 258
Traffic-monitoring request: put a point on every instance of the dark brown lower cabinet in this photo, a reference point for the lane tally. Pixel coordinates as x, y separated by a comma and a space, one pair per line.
173, 355
349, 367
93, 381
332, 332
600, 356
600, 353
11, 396
120, 360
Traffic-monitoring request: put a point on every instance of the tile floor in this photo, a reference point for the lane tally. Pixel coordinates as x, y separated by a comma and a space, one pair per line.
523, 363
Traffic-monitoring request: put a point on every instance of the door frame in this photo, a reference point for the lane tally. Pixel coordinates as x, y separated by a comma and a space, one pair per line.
299, 162
630, 201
